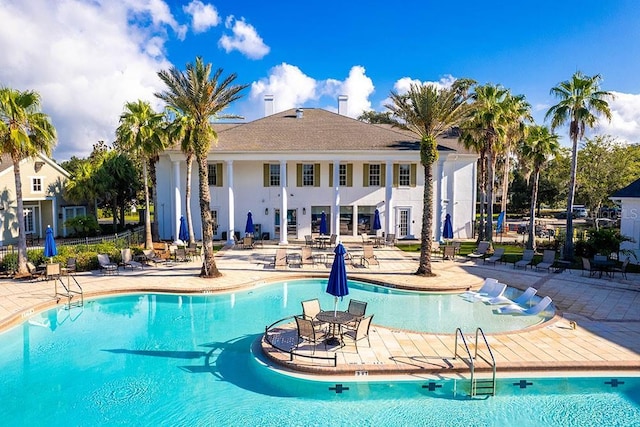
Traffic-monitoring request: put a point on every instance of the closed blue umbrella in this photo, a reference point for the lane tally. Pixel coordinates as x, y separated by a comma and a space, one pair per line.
50, 249
323, 223
376, 221
248, 229
184, 232
500, 223
337, 285
447, 230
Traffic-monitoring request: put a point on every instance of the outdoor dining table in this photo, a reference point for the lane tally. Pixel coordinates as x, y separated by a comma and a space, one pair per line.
603, 265
323, 241
336, 319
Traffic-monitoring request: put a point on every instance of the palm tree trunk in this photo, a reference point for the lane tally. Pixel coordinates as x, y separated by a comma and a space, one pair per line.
187, 196
568, 241
148, 242
22, 237
491, 160
483, 196
209, 268
427, 159
531, 244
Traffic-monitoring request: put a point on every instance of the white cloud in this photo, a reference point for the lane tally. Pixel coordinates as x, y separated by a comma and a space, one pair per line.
625, 120
86, 59
402, 86
203, 16
357, 86
245, 39
158, 10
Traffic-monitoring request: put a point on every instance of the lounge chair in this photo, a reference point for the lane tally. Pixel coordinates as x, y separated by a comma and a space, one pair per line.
484, 289
359, 333
34, 273
495, 257
531, 311
308, 332
527, 259
106, 266
307, 256
548, 259
523, 300
127, 259
280, 258
369, 257
481, 250
150, 256
496, 290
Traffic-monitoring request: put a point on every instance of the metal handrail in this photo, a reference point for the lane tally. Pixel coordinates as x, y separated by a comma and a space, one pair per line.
69, 292
455, 354
493, 360
292, 352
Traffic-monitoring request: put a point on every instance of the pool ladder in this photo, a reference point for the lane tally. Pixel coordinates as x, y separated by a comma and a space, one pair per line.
479, 387
68, 292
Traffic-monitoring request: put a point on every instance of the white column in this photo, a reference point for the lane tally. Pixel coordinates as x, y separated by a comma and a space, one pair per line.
177, 203
54, 219
335, 209
231, 204
284, 206
389, 223
440, 205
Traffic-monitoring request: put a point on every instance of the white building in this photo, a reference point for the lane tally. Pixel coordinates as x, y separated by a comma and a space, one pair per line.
629, 200
289, 167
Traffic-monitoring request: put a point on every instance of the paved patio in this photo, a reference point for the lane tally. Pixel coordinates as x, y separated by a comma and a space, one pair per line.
606, 312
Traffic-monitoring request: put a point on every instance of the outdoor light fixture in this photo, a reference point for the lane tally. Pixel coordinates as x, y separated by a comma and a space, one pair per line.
304, 211
266, 211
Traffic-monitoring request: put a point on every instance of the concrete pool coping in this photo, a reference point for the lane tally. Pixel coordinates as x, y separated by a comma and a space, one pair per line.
607, 312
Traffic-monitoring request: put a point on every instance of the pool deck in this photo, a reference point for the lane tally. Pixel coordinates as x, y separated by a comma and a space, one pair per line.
597, 327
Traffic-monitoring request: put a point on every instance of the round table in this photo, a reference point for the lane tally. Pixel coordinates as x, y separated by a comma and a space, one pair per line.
335, 318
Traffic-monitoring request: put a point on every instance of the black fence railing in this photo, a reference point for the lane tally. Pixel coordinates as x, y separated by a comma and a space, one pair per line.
271, 335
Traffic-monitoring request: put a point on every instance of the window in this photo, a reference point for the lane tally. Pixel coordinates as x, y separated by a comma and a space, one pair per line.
274, 175
343, 176
404, 175
28, 221
307, 175
374, 175
214, 221
36, 185
215, 174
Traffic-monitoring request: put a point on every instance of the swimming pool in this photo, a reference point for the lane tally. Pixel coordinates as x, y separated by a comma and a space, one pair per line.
187, 360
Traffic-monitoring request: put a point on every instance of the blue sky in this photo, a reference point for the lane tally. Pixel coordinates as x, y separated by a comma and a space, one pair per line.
88, 57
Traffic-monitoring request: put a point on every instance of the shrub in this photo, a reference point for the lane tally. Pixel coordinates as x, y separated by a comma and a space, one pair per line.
83, 225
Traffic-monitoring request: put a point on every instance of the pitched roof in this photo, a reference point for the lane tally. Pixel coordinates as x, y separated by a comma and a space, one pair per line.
317, 130
631, 190
5, 162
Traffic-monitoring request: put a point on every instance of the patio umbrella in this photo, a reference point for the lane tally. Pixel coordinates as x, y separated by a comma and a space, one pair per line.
50, 249
323, 223
337, 285
248, 229
376, 221
184, 233
500, 223
447, 230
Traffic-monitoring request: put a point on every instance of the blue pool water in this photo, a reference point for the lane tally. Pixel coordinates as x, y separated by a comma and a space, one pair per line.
191, 360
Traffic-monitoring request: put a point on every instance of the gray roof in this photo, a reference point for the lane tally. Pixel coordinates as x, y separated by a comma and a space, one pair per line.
631, 190
5, 162
317, 130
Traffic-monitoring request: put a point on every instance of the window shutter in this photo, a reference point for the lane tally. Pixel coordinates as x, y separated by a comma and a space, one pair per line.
266, 182
365, 175
349, 175
218, 174
396, 175
330, 174
316, 175
414, 174
298, 174
383, 175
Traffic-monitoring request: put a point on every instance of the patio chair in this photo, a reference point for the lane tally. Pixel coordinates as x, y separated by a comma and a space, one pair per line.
309, 333
332, 241
106, 266
435, 248
586, 266
280, 258
622, 269
193, 251
368, 257
181, 255
481, 250
449, 252
247, 242
127, 259
524, 299
359, 333
70, 267
52, 271
527, 259
34, 273
366, 240
357, 309
390, 240
308, 240
531, 311
307, 257
310, 309
548, 259
150, 256
495, 257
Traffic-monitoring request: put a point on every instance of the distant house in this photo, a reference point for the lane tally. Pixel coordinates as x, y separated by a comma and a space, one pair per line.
289, 167
629, 200
42, 184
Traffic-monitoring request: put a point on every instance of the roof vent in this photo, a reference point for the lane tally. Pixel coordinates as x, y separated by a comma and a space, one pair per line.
299, 113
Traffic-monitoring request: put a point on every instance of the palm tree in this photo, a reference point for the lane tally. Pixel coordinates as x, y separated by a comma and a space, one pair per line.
201, 96
536, 150
24, 132
141, 130
429, 111
488, 124
581, 102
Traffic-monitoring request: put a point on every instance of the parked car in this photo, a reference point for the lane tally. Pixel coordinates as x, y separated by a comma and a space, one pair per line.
563, 215
580, 212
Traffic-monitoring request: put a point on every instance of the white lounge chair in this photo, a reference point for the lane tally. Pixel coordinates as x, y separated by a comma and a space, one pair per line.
532, 311
497, 290
523, 300
486, 288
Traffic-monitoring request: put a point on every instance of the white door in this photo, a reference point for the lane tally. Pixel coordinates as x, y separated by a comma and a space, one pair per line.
403, 222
